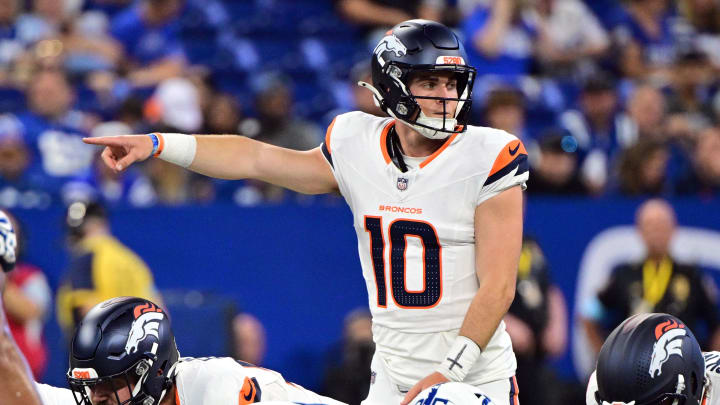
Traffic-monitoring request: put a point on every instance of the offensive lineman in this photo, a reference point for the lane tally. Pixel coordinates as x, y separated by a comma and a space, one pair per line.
123, 352
437, 209
654, 359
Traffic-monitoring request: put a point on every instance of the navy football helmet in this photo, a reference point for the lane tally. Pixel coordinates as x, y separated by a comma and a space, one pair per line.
650, 359
123, 341
420, 46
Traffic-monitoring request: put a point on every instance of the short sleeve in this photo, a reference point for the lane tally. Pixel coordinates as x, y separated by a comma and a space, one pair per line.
509, 169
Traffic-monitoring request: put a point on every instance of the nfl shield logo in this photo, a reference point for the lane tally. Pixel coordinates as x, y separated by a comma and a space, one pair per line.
402, 183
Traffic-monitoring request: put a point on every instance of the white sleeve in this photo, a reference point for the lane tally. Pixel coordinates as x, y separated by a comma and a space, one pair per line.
510, 168
50, 395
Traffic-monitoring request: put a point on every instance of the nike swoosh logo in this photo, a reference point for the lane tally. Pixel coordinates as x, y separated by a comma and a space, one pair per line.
514, 151
250, 394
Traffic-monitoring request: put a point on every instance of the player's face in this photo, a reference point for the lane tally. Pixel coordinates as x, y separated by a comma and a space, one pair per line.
435, 84
104, 393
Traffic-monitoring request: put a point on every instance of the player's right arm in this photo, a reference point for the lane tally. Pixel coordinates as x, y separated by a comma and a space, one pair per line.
232, 157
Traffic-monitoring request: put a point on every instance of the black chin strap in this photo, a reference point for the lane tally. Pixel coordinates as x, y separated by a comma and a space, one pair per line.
395, 150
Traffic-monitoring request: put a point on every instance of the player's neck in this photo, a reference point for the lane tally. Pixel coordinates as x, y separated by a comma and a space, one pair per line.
415, 144
169, 398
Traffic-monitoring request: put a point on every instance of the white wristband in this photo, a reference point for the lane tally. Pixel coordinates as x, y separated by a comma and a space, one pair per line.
459, 359
178, 149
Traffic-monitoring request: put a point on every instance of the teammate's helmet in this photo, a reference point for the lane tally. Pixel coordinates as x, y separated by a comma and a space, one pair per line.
651, 359
452, 393
8, 243
415, 46
124, 338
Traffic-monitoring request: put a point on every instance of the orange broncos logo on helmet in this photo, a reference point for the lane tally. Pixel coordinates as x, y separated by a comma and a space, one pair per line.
668, 341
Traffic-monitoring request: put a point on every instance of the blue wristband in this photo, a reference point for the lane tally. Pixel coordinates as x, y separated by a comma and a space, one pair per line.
156, 143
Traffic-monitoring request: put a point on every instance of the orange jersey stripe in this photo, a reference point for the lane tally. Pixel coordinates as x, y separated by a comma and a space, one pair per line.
383, 141
508, 153
327, 135
177, 396
439, 151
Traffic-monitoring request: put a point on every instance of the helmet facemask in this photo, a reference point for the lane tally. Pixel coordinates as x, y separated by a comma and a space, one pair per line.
401, 104
132, 379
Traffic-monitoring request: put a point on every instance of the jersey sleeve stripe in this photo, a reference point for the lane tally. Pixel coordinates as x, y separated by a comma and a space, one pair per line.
327, 136
507, 155
439, 151
520, 162
326, 153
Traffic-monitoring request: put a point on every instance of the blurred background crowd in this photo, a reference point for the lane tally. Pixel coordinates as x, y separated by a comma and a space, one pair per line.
613, 99
609, 97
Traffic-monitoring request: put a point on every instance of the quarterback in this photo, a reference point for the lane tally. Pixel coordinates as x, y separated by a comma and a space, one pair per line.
437, 209
654, 359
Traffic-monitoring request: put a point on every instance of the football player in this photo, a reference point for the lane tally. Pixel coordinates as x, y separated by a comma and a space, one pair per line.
123, 352
437, 208
654, 359
16, 385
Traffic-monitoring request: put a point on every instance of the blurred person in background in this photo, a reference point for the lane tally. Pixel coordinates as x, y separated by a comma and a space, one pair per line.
642, 169
45, 19
53, 130
223, 115
575, 39
346, 375
646, 109
11, 47
378, 15
101, 267
278, 125
505, 109
149, 32
14, 154
648, 41
501, 38
249, 341
363, 100
656, 284
690, 94
537, 322
175, 107
27, 300
555, 170
704, 178
599, 130
704, 19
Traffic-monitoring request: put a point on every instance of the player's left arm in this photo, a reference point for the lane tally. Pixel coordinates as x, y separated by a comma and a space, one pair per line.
498, 240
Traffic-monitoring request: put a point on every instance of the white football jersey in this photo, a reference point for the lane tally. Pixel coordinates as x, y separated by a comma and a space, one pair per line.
712, 382
416, 236
212, 381
50, 395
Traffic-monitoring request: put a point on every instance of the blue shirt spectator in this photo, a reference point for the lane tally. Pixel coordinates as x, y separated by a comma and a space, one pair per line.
512, 50
53, 131
144, 41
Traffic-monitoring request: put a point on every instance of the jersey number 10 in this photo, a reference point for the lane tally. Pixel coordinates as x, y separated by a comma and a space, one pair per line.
399, 230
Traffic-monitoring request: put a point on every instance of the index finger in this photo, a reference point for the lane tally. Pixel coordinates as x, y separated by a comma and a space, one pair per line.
105, 141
